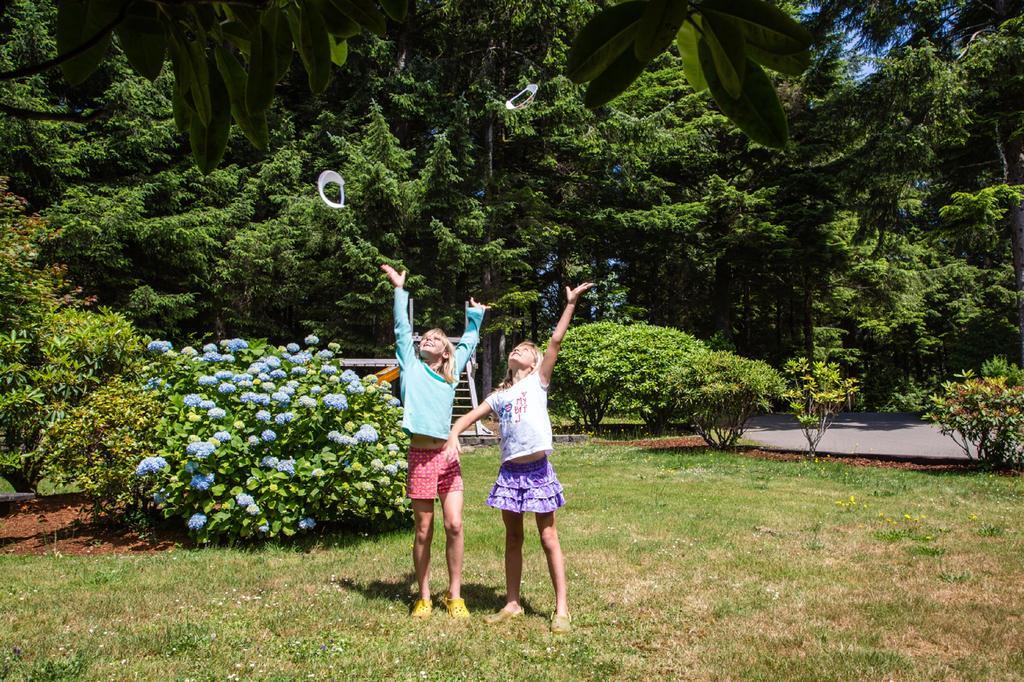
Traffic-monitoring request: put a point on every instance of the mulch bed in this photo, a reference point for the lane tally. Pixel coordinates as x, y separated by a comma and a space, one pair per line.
62, 524
696, 443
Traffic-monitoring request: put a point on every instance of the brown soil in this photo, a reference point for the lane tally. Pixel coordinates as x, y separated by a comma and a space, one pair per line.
696, 443
62, 524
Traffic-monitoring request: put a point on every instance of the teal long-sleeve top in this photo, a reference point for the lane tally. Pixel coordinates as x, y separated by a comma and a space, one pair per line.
426, 397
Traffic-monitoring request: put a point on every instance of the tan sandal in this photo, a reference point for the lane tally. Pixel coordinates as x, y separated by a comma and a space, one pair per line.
502, 616
561, 624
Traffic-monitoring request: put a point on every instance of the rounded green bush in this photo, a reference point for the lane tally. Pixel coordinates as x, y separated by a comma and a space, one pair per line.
719, 391
257, 441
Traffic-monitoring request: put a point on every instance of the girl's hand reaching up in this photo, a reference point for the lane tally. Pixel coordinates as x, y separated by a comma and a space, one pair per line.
573, 295
397, 280
474, 304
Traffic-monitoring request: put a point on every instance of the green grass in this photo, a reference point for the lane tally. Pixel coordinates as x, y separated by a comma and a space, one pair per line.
684, 565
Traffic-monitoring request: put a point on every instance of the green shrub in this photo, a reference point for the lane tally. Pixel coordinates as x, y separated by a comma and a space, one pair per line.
817, 393
719, 391
587, 378
607, 365
999, 366
99, 444
646, 355
257, 441
47, 370
983, 413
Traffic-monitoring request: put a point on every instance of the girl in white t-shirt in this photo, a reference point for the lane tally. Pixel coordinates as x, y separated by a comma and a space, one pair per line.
526, 480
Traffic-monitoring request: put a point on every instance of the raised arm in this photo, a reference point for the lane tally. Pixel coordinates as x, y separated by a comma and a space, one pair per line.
404, 349
471, 336
547, 363
452, 447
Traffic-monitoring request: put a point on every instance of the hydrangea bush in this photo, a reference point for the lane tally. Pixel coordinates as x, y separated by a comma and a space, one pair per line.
257, 441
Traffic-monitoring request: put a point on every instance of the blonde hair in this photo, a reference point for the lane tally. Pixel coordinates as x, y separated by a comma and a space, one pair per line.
448, 369
509, 376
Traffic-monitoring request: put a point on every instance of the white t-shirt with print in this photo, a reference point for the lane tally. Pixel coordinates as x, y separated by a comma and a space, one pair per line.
522, 411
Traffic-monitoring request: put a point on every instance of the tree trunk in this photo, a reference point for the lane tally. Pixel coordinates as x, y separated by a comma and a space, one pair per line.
722, 297
1013, 153
808, 322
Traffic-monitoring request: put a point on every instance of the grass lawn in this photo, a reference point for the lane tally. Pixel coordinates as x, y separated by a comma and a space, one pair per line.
687, 565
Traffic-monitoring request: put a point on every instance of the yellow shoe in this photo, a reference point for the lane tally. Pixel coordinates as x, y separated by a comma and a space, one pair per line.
422, 609
560, 624
456, 607
502, 616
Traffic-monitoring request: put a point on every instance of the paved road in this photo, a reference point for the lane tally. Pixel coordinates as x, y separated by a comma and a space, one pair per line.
862, 433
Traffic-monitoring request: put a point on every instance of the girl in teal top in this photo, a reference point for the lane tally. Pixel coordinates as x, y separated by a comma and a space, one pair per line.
428, 381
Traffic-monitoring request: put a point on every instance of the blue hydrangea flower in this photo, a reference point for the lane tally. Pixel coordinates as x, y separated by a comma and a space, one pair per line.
316, 390
210, 348
292, 383
312, 340
159, 346
239, 378
329, 370
227, 358
263, 376
201, 482
258, 367
227, 388
284, 418
224, 375
325, 354
268, 387
278, 374
253, 510
216, 413
268, 435
200, 449
264, 528
292, 347
153, 383
207, 404
212, 357
307, 402
301, 358
392, 448
366, 434
191, 467
244, 500
307, 524
197, 521
341, 438
300, 371
150, 465
272, 361
235, 345
394, 402
391, 469
253, 440
336, 401
348, 375
263, 416
281, 397
356, 388
245, 384
269, 462
206, 380
376, 463
286, 466
193, 399
288, 391
160, 496
222, 436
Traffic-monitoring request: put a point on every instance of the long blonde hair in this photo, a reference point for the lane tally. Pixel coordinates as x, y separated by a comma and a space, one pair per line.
448, 369
509, 376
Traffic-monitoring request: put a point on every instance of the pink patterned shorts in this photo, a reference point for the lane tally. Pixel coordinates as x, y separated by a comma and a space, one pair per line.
431, 473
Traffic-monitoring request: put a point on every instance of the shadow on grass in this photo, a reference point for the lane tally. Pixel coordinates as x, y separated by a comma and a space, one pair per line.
480, 598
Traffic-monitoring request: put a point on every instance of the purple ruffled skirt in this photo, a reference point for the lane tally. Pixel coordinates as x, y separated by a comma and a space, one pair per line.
531, 487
